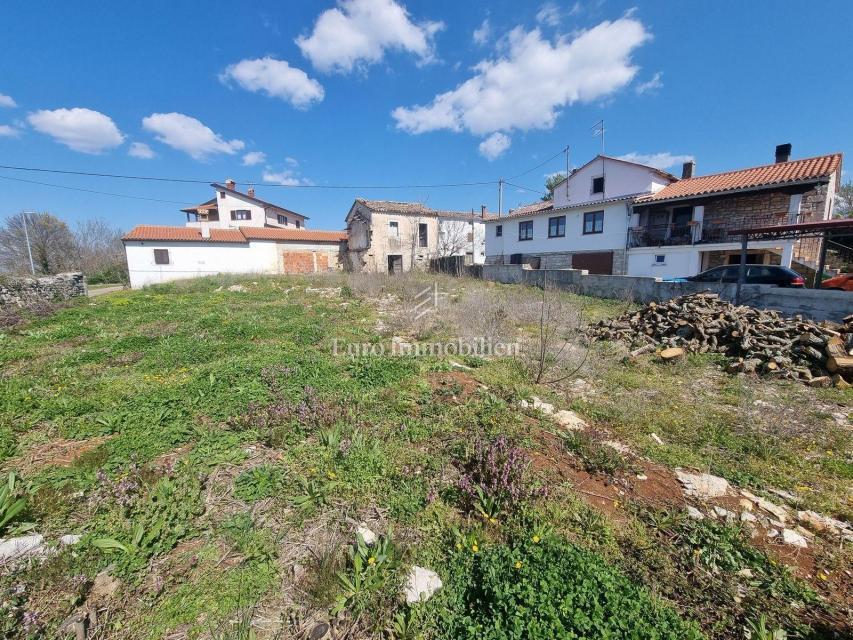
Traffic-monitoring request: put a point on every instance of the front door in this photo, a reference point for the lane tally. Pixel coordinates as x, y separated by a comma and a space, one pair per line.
395, 264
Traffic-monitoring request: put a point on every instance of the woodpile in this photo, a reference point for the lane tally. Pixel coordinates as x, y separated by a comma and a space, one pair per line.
757, 341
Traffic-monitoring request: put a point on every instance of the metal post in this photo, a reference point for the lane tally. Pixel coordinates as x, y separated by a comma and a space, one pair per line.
27, 236
821, 263
741, 274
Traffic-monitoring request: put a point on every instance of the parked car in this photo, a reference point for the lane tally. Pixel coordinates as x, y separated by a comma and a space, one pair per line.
841, 282
755, 274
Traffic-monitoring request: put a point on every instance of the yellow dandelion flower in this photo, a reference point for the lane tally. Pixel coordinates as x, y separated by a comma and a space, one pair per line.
822, 576
459, 546
536, 539
518, 564
474, 548
332, 475
371, 560
493, 520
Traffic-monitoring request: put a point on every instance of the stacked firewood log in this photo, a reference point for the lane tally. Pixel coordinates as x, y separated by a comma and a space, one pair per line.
757, 341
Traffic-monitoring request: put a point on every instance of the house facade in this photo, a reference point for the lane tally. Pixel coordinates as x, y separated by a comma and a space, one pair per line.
690, 225
157, 254
234, 232
583, 226
392, 237
230, 209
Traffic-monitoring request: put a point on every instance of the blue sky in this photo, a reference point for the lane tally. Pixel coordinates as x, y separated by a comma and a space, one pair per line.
378, 92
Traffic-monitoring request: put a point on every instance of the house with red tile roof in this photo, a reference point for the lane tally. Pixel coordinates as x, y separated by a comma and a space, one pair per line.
613, 216
232, 233
689, 226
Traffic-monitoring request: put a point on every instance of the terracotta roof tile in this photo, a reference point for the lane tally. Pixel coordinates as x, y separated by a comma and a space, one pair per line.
241, 235
753, 178
528, 209
418, 209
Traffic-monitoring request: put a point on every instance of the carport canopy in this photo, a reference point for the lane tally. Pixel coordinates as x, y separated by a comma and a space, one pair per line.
825, 229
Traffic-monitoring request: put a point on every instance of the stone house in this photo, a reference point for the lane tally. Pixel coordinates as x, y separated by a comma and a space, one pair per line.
392, 237
689, 226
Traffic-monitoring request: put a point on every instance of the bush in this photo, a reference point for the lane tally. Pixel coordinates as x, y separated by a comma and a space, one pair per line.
550, 589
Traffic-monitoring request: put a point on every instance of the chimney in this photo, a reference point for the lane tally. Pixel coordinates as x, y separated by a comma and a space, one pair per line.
688, 169
230, 184
205, 230
251, 192
783, 152
482, 211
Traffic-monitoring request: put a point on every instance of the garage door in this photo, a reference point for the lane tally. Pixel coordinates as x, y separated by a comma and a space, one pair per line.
598, 262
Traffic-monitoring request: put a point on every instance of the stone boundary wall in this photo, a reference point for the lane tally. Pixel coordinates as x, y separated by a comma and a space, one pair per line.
815, 304
18, 291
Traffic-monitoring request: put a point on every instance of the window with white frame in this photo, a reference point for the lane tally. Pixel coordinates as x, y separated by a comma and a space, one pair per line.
660, 258
241, 214
394, 229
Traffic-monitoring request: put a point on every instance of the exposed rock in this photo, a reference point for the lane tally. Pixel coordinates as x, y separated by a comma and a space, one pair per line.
22, 546
618, 446
694, 513
656, 438
780, 512
366, 534
319, 631
817, 522
104, 587
237, 288
748, 505
746, 516
793, 538
69, 539
421, 584
772, 533
703, 485
745, 573
570, 420
724, 514
642, 476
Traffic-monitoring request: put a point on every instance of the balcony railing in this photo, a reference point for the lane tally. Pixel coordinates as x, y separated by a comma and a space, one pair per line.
394, 243
660, 235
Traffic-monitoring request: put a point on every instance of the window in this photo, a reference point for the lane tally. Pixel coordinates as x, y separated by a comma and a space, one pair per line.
282, 219
681, 216
660, 259
557, 227
525, 230
598, 184
222, 195
593, 222
161, 256
241, 214
394, 228
422, 234
298, 223
499, 230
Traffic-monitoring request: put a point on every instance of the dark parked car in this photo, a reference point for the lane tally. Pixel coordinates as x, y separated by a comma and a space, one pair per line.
755, 274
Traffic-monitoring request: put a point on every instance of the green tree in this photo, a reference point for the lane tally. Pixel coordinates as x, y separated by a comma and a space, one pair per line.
51, 241
550, 182
844, 201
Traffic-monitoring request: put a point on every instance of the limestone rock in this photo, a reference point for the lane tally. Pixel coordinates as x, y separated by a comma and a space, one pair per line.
421, 584
793, 538
694, 513
22, 546
703, 485
237, 288
570, 420
367, 535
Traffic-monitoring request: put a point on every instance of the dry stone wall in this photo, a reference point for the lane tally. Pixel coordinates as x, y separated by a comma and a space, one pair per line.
17, 291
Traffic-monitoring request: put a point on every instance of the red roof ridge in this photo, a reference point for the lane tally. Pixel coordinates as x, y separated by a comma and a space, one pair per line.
764, 166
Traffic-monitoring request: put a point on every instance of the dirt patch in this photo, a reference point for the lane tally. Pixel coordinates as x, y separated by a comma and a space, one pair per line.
456, 385
58, 453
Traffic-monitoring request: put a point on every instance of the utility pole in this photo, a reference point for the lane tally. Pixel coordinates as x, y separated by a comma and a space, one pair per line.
24, 215
500, 197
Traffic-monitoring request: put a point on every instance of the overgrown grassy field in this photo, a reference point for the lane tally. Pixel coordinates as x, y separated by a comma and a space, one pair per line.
216, 455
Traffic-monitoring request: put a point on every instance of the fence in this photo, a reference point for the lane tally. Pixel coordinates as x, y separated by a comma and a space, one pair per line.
816, 304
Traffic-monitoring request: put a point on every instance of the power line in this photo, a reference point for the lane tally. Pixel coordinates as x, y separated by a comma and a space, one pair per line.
102, 193
518, 186
248, 182
541, 164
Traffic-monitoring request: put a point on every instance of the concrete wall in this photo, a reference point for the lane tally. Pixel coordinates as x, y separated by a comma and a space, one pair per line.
811, 303
198, 259
18, 291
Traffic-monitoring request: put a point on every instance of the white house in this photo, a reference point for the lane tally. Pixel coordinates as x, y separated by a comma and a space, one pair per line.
584, 226
229, 209
158, 254
392, 237
233, 232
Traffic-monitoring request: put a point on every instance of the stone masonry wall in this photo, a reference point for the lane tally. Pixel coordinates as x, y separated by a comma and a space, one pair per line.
563, 259
18, 291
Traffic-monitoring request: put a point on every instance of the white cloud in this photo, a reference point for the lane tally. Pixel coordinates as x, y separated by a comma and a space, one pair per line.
79, 129
293, 162
357, 33
527, 86
254, 157
140, 150
482, 33
287, 178
548, 14
277, 79
494, 146
650, 86
6, 101
7, 131
663, 160
189, 135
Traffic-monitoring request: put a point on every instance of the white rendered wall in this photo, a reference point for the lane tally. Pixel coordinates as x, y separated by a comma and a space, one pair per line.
621, 179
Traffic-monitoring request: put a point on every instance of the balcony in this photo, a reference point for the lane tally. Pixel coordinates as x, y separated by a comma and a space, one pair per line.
395, 243
662, 235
